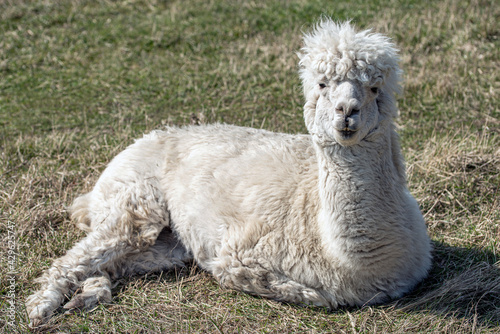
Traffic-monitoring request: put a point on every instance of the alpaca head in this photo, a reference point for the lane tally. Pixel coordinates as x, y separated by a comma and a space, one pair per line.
350, 80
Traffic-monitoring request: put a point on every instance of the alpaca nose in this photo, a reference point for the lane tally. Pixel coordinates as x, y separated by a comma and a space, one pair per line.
346, 112
349, 119
347, 108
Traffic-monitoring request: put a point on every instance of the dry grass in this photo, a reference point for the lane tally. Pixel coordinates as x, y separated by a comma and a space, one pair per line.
456, 182
81, 79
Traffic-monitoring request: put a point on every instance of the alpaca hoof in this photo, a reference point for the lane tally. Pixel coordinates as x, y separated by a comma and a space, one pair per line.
37, 322
39, 315
81, 303
87, 301
77, 302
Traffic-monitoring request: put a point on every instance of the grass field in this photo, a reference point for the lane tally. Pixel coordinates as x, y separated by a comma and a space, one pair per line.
79, 80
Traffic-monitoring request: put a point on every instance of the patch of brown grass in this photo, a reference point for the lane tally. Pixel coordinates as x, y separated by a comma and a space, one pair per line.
456, 180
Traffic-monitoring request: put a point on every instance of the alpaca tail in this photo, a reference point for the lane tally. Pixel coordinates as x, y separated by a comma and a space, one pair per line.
80, 212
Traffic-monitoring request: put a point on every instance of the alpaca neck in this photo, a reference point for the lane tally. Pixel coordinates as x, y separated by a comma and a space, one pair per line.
359, 188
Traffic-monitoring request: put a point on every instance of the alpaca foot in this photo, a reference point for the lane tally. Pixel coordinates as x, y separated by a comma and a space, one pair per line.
82, 302
39, 310
290, 291
95, 290
250, 276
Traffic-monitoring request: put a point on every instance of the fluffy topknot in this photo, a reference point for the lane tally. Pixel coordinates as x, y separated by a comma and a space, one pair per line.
335, 51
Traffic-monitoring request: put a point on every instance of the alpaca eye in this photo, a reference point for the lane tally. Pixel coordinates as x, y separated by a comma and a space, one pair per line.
322, 85
374, 90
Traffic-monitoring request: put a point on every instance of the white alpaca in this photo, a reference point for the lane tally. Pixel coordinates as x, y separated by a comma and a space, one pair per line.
323, 219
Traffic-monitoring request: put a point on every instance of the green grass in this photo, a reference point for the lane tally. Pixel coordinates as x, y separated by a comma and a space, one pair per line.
79, 80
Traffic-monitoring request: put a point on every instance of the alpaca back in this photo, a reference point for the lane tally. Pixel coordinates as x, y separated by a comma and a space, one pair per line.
224, 182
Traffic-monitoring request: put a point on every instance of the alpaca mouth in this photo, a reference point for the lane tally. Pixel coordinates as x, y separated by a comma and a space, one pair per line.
346, 133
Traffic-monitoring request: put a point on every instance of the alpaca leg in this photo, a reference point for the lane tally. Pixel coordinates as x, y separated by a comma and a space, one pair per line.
297, 293
125, 231
95, 290
167, 253
87, 258
249, 276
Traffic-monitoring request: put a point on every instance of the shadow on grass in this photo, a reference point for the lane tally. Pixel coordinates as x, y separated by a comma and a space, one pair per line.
463, 283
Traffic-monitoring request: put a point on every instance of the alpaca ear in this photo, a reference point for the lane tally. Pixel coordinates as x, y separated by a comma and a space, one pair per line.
310, 111
387, 104
304, 61
307, 76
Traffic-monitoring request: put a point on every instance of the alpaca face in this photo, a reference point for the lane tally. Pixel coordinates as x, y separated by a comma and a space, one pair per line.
345, 112
342, 71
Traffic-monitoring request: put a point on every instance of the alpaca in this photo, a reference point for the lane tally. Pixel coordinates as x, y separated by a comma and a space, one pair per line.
321, 219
